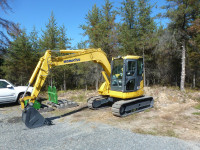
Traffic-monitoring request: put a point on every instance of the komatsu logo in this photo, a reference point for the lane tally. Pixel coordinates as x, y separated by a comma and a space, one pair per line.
72, 60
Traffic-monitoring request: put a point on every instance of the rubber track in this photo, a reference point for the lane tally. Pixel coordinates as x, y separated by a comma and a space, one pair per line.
91, 100
117, 105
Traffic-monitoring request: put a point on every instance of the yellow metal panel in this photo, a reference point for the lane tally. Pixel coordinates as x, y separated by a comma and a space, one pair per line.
95, 55
131, 57
42, 75
72, 51
105, 77
128, 57
104, 89
118, 94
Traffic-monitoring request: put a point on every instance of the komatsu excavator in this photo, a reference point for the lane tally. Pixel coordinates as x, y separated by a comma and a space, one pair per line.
123, 86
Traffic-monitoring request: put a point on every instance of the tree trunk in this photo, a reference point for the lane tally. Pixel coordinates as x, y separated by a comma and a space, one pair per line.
97, 78
183, 66
194, 83
85, 83
144, 75
51, 81
64, 82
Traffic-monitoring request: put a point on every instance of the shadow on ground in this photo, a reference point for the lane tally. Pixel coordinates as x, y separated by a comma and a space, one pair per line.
69, 113
8, 105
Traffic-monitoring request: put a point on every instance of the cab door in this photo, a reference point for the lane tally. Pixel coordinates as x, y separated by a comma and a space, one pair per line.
133, 74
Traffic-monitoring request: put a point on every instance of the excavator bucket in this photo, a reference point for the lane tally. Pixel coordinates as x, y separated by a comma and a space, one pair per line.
33, 119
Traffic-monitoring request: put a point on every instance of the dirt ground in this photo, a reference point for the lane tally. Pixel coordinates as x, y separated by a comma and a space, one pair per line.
175, 113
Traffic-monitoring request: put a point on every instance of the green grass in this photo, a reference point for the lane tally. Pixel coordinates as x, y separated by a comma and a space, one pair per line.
170, 133
196, 113
61, 92
197, 106
79, 98
155, 132
198, 99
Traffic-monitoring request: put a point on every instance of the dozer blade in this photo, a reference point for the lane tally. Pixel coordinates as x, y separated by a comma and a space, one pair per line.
33, 119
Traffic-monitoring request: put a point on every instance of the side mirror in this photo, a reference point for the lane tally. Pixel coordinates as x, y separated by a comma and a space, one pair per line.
9, 86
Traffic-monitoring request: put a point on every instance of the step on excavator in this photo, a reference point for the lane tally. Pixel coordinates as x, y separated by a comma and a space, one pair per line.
123, 87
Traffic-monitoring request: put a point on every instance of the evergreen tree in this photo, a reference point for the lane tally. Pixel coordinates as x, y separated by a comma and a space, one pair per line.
34, 39
93, 27
108, 25
63, 41
146, 37
182, 13
194, 53
19, 61
50, 38
49, 41
128, 29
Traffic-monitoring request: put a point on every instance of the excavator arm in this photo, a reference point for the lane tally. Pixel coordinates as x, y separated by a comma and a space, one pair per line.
74, 56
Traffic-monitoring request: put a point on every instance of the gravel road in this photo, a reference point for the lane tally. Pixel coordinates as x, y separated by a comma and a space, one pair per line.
81, 135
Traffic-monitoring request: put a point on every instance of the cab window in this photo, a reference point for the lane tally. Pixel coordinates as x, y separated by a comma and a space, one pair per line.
140, 66
117, 75
131, 68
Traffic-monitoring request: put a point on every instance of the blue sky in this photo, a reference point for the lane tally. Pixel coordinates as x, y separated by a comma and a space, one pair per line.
72, 14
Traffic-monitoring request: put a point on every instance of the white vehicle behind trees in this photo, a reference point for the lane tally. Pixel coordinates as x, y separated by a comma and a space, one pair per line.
10, 93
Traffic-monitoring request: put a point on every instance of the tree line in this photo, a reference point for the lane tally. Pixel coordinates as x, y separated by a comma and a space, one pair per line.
171, 53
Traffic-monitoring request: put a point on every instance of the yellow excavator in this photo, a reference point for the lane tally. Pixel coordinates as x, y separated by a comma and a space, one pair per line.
123, 86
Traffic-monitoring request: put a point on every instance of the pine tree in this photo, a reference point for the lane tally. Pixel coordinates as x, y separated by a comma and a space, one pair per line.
49, 41
146, 30
34, 39
182, 13
19, 61
108, 25
63, 41
93, 27
128, 29
194, 54
50, 38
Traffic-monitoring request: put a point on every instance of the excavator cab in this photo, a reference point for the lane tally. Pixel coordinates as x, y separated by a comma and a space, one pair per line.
126, 74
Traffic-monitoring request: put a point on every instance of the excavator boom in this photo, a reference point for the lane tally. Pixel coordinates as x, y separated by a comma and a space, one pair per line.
30, 116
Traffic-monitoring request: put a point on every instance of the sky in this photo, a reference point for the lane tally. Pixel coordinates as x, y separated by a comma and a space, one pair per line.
70, 13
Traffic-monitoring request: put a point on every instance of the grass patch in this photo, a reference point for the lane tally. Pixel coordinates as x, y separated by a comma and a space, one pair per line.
197, 106
189, 90
61, 92
198, 99
170, 133
196, 113
157, 132
79, 98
